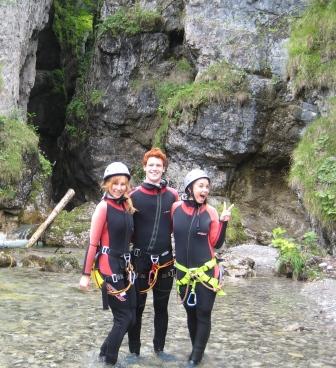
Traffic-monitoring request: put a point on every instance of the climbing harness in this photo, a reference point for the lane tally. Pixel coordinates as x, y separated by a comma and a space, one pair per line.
193, 276
154, 271
100, 280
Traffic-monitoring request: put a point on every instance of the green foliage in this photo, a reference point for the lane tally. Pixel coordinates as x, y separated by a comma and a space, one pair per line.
57, 76
77, 109
183, 65
130, 21
77, 112
138, 174
181, 101
293, 257
312, 47
96, 97
235, 233
46, 167
73, 221
73, 24
313, 169
290, 258
16, 140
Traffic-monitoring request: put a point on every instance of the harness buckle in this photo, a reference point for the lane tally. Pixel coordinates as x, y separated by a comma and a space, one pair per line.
155, 259
136, 252
132, 277
104, 250
114, 277
192, 299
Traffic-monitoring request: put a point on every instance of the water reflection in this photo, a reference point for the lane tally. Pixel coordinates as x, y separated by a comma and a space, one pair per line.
47, 322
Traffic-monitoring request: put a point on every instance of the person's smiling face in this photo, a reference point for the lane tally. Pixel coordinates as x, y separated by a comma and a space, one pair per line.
154, 169
118, 186
201, 189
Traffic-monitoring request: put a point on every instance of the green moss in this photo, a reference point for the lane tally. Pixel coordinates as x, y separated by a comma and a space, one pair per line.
61, 262
69, 221
181, 101
130, 21
312, 47
16, 139
313, 169
57, 79
138, 174
235, 233
73, 24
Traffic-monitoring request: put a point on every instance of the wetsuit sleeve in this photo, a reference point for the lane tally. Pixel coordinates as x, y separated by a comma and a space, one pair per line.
97, 224
175, 193
174, 206
217, 229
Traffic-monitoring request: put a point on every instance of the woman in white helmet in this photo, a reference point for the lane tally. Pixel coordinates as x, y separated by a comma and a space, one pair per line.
197, 231
110, 234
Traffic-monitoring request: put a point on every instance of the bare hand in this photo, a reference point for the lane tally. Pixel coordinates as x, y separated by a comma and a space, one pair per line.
226, 213
84, 282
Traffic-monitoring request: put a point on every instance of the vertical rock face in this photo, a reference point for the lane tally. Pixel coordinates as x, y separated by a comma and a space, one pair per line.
244, 145
21, 21
249, 33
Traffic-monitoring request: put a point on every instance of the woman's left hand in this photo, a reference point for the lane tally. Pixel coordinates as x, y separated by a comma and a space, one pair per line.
226, 213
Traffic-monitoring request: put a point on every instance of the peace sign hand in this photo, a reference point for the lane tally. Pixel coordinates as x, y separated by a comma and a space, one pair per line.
226, 213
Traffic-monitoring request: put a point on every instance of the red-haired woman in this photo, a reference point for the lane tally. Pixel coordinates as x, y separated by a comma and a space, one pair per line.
110, 234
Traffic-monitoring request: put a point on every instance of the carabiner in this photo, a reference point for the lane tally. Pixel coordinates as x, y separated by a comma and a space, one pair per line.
154, 259
127, 258
192, 299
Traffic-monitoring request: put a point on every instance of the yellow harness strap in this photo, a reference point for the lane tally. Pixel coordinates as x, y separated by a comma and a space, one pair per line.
98, 279
194, 275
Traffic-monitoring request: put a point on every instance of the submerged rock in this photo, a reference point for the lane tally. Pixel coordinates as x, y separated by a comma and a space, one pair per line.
7, 260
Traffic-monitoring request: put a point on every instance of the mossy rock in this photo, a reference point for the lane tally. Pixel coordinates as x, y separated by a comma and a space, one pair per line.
61, 263
71, 229
6, 260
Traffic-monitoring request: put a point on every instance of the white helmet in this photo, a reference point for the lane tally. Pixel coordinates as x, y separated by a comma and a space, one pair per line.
116, 168
192, 176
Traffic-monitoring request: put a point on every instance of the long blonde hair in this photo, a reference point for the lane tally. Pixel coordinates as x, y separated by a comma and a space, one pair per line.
106, 185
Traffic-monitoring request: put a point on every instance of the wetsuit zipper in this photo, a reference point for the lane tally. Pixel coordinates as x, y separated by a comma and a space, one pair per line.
156, 223
126, 228
189, 232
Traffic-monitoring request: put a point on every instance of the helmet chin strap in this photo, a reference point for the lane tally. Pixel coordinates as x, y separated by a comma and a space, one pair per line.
191, 195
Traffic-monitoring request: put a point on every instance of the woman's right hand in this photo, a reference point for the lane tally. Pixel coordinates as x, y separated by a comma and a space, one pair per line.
84, 282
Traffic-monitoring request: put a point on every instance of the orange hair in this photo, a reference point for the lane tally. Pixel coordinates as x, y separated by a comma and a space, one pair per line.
155, 152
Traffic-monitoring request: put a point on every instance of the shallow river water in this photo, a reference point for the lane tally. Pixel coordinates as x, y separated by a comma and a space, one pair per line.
45, 321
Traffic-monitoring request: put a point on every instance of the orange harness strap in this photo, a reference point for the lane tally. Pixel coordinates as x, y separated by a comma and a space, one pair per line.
153, 274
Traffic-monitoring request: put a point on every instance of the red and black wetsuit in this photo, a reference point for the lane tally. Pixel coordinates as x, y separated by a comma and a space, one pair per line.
197, 231
112, 228
152, 237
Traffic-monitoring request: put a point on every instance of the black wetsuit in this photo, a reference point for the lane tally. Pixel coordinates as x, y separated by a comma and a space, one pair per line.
197, 231
152, 237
